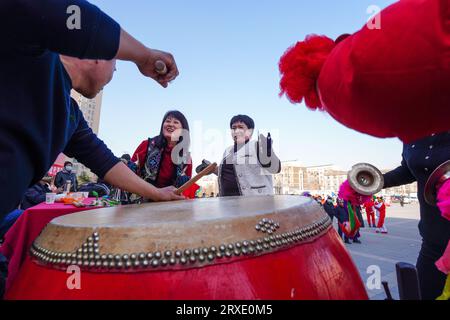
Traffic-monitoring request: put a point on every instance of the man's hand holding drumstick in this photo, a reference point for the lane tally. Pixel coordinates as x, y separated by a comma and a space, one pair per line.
150, 62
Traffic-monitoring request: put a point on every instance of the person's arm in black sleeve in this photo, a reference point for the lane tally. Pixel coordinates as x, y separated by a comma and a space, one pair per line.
58, 180
88, 149
399, 176
36, 25
50, 24
34, 196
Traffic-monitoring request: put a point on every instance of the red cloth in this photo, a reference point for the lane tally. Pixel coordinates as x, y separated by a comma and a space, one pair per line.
190, 192
322, 269
26, 229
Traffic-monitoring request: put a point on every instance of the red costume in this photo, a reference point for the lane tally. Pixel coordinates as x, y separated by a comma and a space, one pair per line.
402, 69
368, 206
381, 207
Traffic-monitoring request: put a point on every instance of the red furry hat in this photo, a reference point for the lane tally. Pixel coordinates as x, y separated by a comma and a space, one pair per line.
388, 82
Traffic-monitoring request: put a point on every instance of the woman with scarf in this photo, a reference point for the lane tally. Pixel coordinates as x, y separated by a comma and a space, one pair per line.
164, 160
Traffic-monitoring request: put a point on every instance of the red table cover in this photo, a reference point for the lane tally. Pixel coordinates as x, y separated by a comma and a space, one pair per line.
27, 228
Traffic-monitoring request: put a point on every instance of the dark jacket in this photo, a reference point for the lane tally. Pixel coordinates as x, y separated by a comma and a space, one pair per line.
34, 195
420, 159
63, 176
359, 215
341, 214
38, 119
329, 209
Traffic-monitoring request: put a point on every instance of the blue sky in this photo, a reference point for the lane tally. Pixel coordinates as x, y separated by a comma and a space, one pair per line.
227, 53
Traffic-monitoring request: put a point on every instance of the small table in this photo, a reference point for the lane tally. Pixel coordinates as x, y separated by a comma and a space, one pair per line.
26, 229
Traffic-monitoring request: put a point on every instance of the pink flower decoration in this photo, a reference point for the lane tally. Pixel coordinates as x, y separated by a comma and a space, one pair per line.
443, 264
443, 199
346, 192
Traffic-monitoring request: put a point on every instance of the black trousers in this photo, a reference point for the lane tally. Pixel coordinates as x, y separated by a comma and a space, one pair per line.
431, 280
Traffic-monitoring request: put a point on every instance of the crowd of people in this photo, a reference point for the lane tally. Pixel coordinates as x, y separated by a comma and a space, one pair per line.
336, 207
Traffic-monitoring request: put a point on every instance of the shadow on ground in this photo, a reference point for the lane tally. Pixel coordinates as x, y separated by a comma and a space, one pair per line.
401, 244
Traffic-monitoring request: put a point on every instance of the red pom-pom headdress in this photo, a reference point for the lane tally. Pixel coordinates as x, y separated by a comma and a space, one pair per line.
300, 68
399, 71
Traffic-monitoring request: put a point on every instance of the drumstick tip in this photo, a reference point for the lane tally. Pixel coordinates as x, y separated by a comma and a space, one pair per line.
160, 67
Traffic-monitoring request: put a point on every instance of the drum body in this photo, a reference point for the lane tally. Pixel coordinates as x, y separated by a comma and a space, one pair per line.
274, 247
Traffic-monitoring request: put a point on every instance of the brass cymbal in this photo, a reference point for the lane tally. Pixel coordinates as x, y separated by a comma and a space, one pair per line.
438, 176
365, 179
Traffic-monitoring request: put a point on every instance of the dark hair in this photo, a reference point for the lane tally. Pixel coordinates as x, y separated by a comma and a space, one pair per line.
243, 118
161, 141
126, 156
67, 162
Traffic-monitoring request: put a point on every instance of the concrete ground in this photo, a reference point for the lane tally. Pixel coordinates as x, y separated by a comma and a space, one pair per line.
401, 244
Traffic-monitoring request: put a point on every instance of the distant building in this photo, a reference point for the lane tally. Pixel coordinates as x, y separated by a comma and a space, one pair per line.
91, 109
404, 190
291, 179
296, 178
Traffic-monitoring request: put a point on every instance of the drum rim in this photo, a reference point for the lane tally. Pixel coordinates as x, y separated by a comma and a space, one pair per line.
88, 256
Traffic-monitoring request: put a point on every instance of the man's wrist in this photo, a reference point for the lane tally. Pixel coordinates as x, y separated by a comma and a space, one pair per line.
150, 192
131, 49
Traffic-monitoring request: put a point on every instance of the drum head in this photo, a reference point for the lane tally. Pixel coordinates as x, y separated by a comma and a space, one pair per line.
179, 234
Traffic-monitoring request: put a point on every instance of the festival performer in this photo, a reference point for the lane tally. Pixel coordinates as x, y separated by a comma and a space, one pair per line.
380, 207
368, 207
247, 167
352, 201
342, 218
377, 69
160, 163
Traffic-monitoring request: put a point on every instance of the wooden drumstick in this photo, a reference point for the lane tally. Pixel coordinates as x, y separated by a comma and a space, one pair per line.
208, 170
160, 67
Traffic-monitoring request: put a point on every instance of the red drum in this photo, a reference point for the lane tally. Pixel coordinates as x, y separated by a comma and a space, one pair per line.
274, 247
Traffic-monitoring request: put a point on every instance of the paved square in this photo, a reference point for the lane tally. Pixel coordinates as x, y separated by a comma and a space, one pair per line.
401, 244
